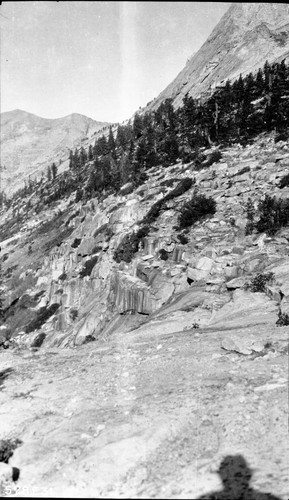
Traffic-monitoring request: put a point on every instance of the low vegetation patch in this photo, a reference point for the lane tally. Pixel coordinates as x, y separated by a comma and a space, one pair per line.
164, 255
39, 339
202, 161
130, 245
182, 239
282, 136
271, 215
88, 267
154, 212
284, 182
274, 214
198, 207
259, 281
7, 447
62, 277
283, 319
73, 313
43, 315
76, 242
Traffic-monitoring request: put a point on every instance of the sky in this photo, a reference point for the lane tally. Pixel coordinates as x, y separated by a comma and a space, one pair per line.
100, 59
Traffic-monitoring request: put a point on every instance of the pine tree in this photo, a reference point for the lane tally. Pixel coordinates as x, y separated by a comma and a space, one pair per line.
49, 174
111, 144
120, 140
53, 170
71, 160
82, 157
137, 126
90, 153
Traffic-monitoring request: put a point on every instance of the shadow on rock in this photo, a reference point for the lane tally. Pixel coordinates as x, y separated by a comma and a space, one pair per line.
236, 475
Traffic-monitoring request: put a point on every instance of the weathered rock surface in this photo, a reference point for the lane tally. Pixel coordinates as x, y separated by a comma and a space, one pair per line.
246, 36
149, 413
171, 362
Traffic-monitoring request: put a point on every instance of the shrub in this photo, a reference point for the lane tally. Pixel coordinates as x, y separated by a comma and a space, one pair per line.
183, 186
283, 319
7, 447
89, 338
88, 266
155, 210
76, 243
201, 161
195, 209
274, 214
130, 244
164, 255
43, 315
39, 339
282, 136
182, 239
250, 212
213, 158
258, 282
153, 213
73, 313
284, 182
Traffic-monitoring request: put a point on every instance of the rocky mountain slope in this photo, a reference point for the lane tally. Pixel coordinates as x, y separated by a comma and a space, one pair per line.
30, 143
65, 252
177, 337
247, 35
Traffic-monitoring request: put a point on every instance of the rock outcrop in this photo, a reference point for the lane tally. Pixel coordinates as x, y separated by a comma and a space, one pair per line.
203, 282
246, 36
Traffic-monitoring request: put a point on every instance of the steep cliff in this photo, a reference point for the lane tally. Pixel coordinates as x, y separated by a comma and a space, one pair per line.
246, 36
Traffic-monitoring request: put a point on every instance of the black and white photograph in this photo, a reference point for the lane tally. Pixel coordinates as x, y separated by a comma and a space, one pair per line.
144, 250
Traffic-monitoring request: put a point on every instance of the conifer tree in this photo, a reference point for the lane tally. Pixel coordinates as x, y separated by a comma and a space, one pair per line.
49, 173
82, 157
53, 170
90, 153
71, 159
111, 143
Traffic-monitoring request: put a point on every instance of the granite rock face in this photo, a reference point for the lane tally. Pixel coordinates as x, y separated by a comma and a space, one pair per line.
246, 36
206, 279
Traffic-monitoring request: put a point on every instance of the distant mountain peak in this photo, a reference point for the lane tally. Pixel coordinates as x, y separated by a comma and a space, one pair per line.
29, 143
247, 35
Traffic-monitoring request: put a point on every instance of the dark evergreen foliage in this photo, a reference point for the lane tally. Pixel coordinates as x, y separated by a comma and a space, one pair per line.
130, 245
198, 207
234, 112
284, 182
259, 281
88, 267
273, 214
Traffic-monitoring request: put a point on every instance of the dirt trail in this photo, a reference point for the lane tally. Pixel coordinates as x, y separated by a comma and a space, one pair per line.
148, 415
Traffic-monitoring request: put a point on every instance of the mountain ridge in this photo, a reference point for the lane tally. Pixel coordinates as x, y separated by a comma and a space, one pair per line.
30, 143
245, 37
